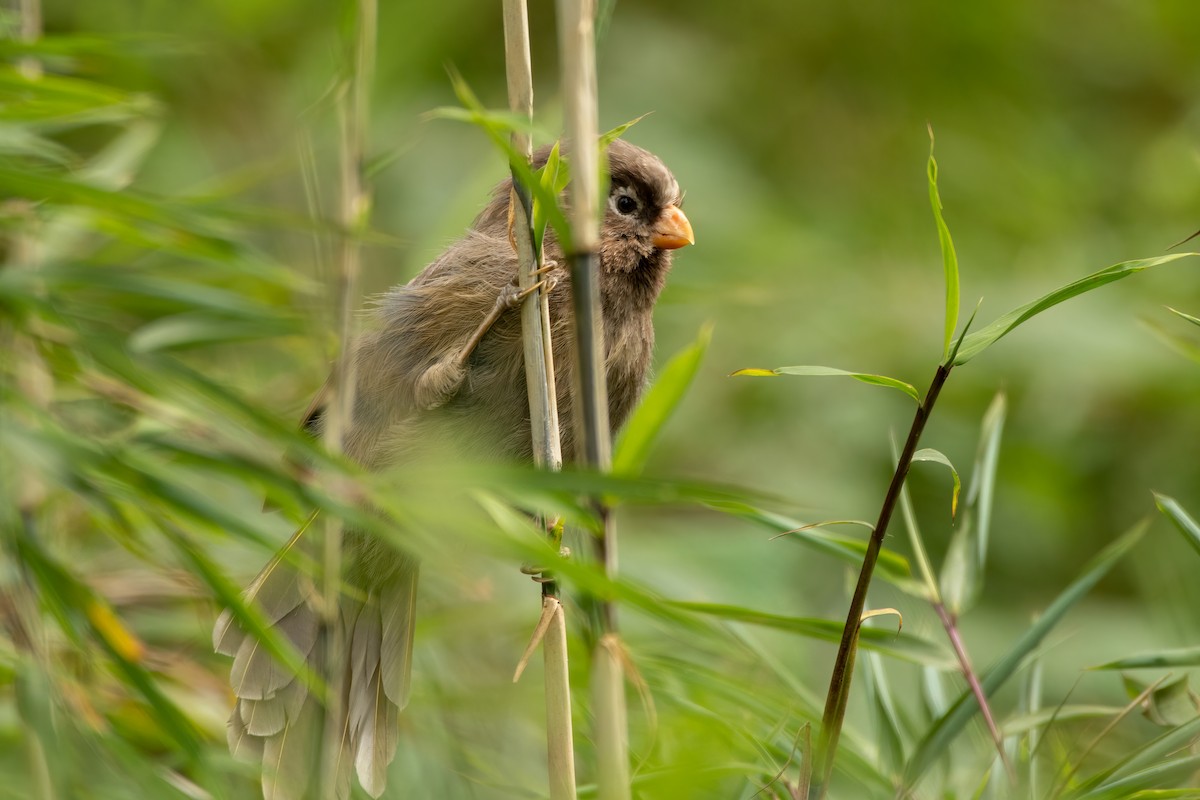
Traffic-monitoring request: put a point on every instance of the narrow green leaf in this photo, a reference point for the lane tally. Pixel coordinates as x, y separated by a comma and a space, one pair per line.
1023, 723
949, 258
1145, 757
1159, 659
979, 341
507, 121
498, 133
659, 403
942, 732
928, 587
875, 380
610, 136
68, 592
1183, 521
1188, 317
20, 140
888, 730
966, 557
891, 566
1185, 346
1128, 785
906, 646
198, 328
938, 457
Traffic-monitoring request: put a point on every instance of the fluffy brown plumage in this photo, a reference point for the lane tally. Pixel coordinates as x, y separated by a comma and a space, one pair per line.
412, 396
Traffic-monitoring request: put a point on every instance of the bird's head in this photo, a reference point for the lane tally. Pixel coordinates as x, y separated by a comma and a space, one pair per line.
643, 221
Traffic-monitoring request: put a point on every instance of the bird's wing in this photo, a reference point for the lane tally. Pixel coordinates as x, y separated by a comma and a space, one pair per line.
412, 359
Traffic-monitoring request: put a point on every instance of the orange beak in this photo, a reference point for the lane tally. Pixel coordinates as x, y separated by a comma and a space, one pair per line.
672, 230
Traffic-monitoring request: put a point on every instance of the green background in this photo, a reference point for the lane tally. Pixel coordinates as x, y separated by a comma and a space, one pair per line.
1067, 138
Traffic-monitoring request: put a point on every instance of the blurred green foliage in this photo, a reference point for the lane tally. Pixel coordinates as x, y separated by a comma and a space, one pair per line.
183, 158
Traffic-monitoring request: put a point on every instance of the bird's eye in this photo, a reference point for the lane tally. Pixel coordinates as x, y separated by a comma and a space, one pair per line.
626, 204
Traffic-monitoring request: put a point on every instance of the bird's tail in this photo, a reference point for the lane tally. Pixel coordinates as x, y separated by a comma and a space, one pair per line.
278, 722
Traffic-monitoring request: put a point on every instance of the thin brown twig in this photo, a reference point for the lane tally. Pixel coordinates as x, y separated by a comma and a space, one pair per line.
968, 672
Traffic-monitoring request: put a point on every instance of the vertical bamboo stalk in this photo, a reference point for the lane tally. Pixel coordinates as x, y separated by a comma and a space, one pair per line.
543, 404
577, 54
355, 205
35, 383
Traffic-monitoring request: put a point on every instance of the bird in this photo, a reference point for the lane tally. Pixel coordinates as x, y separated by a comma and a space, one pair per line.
441, 369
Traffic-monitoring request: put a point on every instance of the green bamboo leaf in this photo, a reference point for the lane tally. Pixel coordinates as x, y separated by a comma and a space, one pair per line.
610, 136
927, 588
1188, 317
66, 591
875, 380
1030, 693
943, 731
1144, 757
19, 140
888, 729
981, 340
498, 132
891, 566
1185, 346
1023, 723
1143, 781
949, 258
966, 557
1158, 659
194, 329
553, 177
938, 457
1184, 523
906, 646
657, 405
507, 121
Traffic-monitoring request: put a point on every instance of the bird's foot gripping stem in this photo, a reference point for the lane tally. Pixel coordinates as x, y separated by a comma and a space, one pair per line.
442, 380
540, 574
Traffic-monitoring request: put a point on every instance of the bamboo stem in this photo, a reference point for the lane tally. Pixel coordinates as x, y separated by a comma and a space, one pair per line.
843, 666
577, 54
542, 395
355, 203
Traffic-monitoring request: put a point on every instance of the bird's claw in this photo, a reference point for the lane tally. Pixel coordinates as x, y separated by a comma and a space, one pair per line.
511, 295
538, 573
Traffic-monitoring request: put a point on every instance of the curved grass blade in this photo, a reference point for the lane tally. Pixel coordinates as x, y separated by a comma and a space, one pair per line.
1183, 345
642, 430
815, 371
942, 732
981, 340
497, 129
1133, 771
888, 729
1183, 657
966, 557
938, 457
1188, 317
1183, 521
906, 646
949, 258
892, 566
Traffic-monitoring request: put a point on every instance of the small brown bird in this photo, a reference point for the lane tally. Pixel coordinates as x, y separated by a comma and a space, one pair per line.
427, 379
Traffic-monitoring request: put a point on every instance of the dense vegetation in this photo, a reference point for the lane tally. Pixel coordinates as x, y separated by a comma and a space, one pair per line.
168, 177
